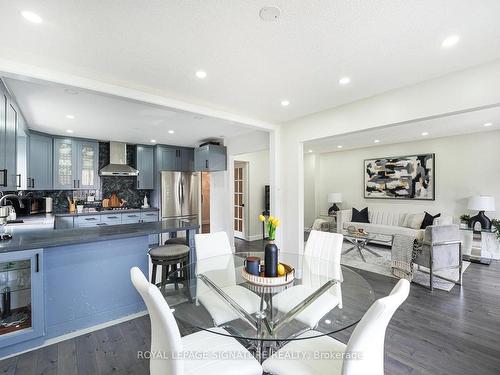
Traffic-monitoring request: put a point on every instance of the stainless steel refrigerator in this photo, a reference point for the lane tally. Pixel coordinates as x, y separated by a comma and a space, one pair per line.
180, 195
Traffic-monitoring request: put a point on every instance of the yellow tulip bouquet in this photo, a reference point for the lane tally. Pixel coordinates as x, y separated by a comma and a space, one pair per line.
271, 223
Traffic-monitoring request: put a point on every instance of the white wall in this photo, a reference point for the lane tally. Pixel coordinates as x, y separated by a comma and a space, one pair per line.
465, 165
465, 90
222, 189
310, 176
258, 177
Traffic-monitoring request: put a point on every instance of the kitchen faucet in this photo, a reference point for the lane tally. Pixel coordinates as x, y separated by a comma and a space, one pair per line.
4, 198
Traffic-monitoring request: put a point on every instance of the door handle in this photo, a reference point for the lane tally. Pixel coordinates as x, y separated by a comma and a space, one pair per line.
18, 179
4, 184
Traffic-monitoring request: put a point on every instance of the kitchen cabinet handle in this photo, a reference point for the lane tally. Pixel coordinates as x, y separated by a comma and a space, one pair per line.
91, 219
37, 262
131, 215
18, 179
138, 183
33, 183
74, 184
111, 217
78, 184
102, 224
206, 164
4, 184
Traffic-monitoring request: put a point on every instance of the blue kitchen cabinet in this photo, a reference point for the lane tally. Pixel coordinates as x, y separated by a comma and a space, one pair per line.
21, 288
39, 162
145, 166
8, 128
173, 158
22, 154
75, 164
210, 158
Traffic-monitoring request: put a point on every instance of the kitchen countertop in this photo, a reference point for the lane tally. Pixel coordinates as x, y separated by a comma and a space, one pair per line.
62, 237
106, 212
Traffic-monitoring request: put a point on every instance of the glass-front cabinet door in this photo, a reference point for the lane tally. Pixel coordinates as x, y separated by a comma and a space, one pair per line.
87, 165
64, 164
21, 296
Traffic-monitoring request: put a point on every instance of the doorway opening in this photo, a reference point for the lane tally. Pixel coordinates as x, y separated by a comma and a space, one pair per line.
205, 202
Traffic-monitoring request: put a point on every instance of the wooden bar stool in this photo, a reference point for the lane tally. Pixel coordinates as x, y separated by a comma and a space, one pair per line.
170, 257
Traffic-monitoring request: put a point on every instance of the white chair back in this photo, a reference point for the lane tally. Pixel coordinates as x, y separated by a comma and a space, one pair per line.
322, 261
165, 335
368, 337
211, 245
214, 259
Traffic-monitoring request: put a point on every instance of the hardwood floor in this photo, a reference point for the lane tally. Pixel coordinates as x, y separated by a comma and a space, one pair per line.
432, 333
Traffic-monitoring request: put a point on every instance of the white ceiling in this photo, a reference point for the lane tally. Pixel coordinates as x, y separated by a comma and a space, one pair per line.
464, 123
252, 65
45, 107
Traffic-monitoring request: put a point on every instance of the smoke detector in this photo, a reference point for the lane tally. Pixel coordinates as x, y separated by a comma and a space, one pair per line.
270, 14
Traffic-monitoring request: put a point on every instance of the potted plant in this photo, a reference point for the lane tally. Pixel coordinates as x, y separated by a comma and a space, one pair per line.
464, 221
495, 223
271, 250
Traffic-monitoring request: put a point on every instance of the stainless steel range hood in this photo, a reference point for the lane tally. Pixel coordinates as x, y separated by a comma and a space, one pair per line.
118, 162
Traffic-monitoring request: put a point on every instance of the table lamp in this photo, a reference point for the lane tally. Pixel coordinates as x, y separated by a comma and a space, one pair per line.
334, 198
481, 203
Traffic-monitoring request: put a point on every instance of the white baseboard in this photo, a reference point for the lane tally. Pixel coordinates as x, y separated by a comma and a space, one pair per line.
80, 332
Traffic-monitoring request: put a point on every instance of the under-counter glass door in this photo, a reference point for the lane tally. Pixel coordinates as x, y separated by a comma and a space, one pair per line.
87, 171
21, 296
15, 296
64, 164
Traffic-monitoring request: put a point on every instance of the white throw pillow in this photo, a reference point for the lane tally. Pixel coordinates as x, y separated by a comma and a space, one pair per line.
414, 221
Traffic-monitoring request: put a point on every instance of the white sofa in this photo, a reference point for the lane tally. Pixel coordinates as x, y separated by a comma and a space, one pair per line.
385, 223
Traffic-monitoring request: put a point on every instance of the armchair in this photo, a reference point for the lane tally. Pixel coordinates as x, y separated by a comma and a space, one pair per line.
441, 250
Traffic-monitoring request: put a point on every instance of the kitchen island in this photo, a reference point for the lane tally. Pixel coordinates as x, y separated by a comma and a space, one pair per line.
78, 278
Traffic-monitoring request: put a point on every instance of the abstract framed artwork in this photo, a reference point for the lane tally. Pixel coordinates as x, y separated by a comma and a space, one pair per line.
401, 177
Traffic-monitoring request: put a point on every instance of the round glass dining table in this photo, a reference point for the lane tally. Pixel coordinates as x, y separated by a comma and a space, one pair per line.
323, 298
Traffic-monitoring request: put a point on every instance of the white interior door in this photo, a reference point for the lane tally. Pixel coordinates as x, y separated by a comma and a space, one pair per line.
240, 184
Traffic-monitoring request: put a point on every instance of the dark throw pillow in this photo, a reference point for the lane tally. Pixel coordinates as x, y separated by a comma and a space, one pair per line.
428, 220
360, 216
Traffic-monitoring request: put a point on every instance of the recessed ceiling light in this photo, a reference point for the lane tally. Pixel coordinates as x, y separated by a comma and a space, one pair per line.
450, 41
285, 103
344, 80
269, 14
376, 141
488, 124
201, 74
69, 131
171, 132
71, 117
310, 151
153, 141
31, 16
339, 146
425, 133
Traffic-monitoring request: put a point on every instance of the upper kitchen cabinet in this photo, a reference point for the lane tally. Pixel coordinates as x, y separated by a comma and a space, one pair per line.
210, 158
8, 128
22, 154
39, 162
75, 164
145, 165
171, 158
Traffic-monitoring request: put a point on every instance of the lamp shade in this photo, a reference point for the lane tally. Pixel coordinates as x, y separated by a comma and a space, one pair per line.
334, 198
481, 203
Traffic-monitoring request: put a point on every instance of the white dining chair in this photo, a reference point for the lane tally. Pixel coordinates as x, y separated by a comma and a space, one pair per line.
214, 259
363, 354
198, 353
321, 263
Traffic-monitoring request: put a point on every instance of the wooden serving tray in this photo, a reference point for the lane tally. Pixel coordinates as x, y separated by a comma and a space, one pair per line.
261, 280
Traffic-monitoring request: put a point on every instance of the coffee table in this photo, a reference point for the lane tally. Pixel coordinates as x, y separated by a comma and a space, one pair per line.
360, 242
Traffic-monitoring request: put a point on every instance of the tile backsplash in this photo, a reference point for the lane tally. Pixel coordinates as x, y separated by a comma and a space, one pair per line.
124, 187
